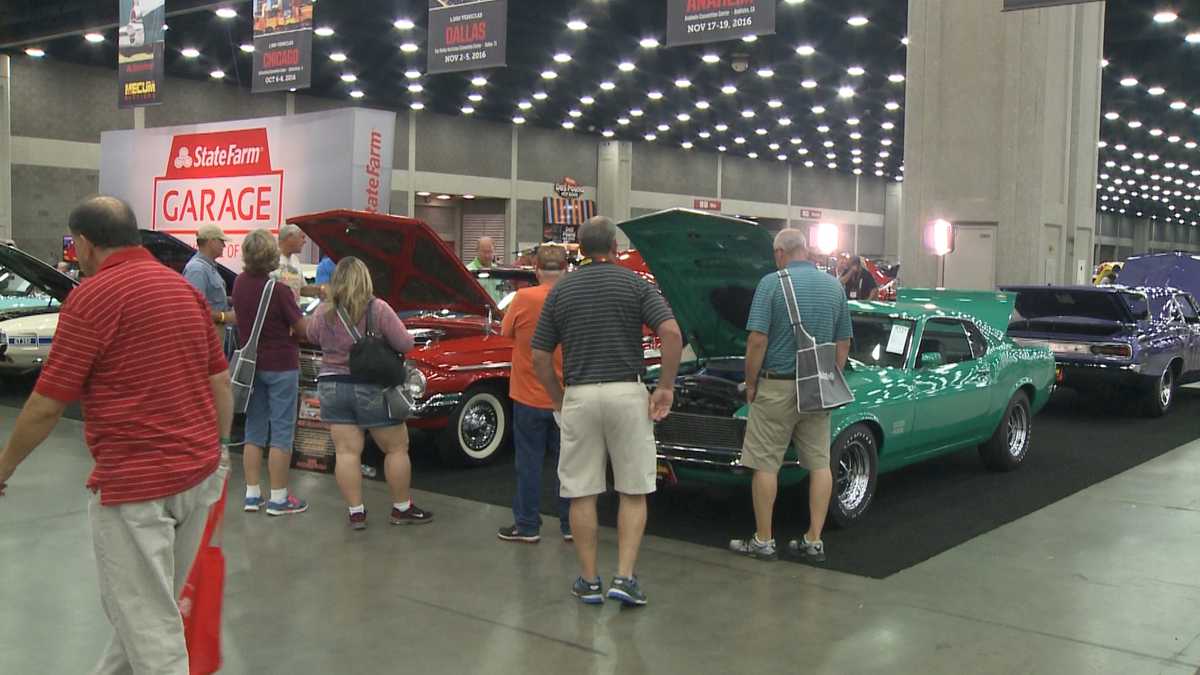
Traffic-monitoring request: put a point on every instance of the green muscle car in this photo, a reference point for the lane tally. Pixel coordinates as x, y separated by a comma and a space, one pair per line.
932, 373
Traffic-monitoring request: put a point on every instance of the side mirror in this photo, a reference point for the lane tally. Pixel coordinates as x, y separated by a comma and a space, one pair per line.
931, 360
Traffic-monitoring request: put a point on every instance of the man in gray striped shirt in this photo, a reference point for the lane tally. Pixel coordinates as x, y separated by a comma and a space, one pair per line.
596, 313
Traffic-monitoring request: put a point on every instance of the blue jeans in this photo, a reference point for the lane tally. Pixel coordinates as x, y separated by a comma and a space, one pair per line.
271, 411
534, 434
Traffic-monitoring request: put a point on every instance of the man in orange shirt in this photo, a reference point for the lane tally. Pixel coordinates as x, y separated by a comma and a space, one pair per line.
535, 430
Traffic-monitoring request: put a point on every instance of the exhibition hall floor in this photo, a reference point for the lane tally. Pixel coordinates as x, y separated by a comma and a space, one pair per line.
1102, 581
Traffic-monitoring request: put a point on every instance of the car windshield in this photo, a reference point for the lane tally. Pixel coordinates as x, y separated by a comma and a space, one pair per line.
502, 285
880, 340
17, 292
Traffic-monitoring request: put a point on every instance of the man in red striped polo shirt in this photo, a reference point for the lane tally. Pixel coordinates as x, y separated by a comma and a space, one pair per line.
135, 344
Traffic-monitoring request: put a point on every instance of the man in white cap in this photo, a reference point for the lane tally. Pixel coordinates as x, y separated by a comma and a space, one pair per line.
201, 272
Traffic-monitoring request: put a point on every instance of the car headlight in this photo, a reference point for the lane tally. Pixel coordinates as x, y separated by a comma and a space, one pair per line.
416, 382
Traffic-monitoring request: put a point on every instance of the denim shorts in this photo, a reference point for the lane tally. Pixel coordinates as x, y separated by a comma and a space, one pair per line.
361, 405
271, 411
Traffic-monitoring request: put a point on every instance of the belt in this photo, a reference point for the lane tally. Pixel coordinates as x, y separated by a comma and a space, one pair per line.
615, 380
777, 376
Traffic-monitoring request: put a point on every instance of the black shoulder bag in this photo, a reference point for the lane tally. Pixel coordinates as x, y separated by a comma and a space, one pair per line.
372, 359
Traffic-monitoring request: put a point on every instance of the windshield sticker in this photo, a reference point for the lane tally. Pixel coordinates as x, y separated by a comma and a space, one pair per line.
898, 339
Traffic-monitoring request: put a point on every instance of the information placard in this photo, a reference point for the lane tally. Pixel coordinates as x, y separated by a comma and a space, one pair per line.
282, 45
467, 35
692, 22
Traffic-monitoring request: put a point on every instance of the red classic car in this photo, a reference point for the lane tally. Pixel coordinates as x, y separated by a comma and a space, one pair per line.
461, 364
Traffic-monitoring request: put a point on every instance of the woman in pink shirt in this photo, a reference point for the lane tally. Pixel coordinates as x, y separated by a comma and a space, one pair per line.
352, 407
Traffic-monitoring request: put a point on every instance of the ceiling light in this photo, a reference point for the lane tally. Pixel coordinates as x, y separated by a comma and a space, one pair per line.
858, 20
710, 58
1156, 91
887, 142
721, 148
475, 98
818, 110
845, 92
1165, 16
626, 66
686, 145
247, 48
636, 112
1190, 145
478, 81
766, 73
412, 74
416, 88
404, 24
806, 50
853, 121
623, 121
891, 105
797, 141
683, 117
740, 140
443, 197
896, 78
654, 95
349, 77
761, 131
1178, 105
35, 52
417, 105
683, 83
226, 13
540, 96
608, 133
1110, 116
650, 137
750, 38
1156, 132
904, 40
577, 25
752, 155
704, 134
648, 42
1173, 139
1134, 124
887, 126
785, 121
189, 52
722, 127
856, 136
524, 105
468, 196
549, 74
782, 158
93, 37
587, 100
324, 31
702, 105
1193, 38
357, 93
568, 125
409, 47
575, 113
809, 84
217, 74
1129, 82
748, 113
562, 57
607, 86
729, 89
336, 57
856, 71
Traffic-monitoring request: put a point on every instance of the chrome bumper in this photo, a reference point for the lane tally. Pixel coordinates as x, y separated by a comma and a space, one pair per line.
707, 458
436, 405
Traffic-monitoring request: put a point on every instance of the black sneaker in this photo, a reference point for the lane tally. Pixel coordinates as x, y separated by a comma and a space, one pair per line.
590, 592
808, 551
413, 516
358, 521
511, 533
751, 547
626, 590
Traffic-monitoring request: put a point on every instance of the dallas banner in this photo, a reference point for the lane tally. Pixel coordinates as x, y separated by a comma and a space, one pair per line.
282, 45
467, 35
140, 52
692, 22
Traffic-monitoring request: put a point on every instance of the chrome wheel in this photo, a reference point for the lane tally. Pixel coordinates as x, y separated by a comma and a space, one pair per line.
1166, 388
853, 475
1018, 431
482, 426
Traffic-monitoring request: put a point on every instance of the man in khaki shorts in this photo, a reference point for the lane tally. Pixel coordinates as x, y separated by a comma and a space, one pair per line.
596, 313
771, 390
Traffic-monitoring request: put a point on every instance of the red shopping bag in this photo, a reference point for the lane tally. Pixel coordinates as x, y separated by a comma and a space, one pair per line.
200, 599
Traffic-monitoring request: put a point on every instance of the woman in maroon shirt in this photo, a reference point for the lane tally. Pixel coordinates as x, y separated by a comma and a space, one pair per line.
271, 411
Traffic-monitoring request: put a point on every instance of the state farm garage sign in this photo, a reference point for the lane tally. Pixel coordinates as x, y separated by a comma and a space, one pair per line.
222, 177
252, 174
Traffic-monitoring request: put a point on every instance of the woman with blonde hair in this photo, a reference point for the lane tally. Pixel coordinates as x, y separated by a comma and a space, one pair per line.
353, 407
271, 411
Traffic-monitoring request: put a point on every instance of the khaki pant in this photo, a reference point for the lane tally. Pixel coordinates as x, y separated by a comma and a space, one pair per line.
144, 551
775, 423
603, 423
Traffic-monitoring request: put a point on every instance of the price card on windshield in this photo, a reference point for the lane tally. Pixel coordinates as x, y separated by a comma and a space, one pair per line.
898, 338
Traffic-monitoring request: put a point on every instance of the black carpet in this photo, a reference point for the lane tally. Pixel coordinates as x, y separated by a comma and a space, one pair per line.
917, 513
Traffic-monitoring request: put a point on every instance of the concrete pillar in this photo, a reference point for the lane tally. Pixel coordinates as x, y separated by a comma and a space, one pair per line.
1143, 232
6, 205
614, 179
892, 215
1001, 132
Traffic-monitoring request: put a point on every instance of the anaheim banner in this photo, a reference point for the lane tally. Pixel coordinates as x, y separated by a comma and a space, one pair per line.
251, 174
467, 35
282, 45
140, 52
692, 22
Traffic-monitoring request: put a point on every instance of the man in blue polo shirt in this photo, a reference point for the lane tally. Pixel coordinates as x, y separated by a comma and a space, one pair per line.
774, 421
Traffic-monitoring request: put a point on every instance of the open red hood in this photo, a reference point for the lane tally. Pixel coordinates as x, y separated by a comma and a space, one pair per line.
413, 269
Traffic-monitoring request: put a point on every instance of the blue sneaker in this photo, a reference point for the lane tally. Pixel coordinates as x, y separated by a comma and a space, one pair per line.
254, 504
626, 590
590, 592
284, 508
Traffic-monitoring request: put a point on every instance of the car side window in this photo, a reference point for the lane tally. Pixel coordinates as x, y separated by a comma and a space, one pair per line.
979, 346
1187, 308
946, 337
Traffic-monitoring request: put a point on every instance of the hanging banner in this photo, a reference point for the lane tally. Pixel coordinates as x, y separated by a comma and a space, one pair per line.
692, 22
467, 35
282, 45
140, 52
1011, 5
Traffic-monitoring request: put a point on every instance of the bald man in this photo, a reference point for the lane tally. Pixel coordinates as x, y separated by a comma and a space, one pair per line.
485, 254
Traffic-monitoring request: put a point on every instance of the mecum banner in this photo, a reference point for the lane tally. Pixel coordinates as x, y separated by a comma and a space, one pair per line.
467, 35
282, 45
250, 174
140, 52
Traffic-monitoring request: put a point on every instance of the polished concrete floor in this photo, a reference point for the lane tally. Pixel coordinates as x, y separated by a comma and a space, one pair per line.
1106, 581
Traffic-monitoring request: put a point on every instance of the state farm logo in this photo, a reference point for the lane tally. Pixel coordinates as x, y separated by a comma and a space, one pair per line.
224, 178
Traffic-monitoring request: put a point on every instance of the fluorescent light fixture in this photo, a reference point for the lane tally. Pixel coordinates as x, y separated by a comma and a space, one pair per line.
518, 120
478, 81
607, 86
686, 145
648, 42
896, 78
856, 71
524, 105
35, 52
562, 57
417, 105
809, 83
710, 58
858, 20
549, 75
226, 13
636, 112
247, 48
806, 50
577, 25
416, 88
540, 96
324, 31
336, 57
568, 125
683, 83
891, 105
1129, 82
729, 90
404, 24
349, 77
818, 110
845, 92
217, 74
412, 74
1156, 91
587, 100
409, 47
703, 105
1165, 16
626, 66
475, 98
357, 93
575, 113
608, 133
750, 39
93, 37
766, 73
654, 95
774, 103
683, 117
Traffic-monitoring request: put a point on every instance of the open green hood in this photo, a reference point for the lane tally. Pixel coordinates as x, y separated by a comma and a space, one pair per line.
708, 267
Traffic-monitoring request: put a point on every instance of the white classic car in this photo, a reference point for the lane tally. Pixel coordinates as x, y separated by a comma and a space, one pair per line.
30, 295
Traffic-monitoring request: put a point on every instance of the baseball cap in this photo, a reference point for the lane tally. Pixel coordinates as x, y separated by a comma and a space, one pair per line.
210, 232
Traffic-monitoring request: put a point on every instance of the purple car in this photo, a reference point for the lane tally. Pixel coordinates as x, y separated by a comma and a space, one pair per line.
1143, 340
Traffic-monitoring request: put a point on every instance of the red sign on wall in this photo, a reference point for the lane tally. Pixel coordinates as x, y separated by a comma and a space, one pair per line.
707, 204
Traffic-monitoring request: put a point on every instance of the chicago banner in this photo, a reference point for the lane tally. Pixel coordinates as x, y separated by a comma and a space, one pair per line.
140, 52
282, 45
467, 35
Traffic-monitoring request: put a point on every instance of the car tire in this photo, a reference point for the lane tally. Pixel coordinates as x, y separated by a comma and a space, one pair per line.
480, 427
1009, 444
1158, 398
854, 461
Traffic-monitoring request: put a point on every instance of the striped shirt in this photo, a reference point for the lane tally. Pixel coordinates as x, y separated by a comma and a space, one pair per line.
823, 311
135, 343
596, 313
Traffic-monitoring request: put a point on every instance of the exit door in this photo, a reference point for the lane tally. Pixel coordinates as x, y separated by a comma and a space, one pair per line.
972, 265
